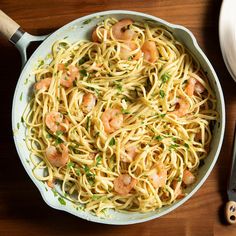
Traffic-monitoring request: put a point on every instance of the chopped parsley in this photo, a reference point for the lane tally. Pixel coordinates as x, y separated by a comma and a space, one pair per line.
26, 81
87, 21
119, 87
98, 160
88, 123
174, 146
58, 141
21, 96
77, 171
165, 77
41, 63
112, 142
18, 125
54, 192
95, 197
89, 175
83, 73
179, 179
22, 119
83, 59
48, 135
86, 169
62, 201
124, 111
186, 145
162, 115
158, 138
59, 132
162, 93
70, 164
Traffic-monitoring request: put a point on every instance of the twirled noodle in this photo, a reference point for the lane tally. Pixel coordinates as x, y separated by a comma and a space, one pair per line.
130, 112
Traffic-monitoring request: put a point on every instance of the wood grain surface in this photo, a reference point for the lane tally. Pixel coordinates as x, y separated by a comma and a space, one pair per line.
23, 211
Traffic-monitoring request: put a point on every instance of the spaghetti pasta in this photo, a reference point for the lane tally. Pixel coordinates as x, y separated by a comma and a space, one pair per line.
122, 121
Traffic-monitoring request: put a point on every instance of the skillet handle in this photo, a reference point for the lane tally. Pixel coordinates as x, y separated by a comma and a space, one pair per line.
8, 27
15, 34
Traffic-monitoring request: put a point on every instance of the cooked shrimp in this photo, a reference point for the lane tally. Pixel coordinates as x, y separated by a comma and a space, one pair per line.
54, 121
95, 36
50, 183
150, 51
112, 120
68, 77
89, 101
124, 183
177, 189
43, 84
158, 176
125, 51
56, 158
119, 31
188, 177
61, 66
130, 154
183, 107
194, 86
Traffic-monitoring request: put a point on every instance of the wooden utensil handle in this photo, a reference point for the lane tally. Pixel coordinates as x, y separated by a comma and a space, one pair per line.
230, 212
7, 26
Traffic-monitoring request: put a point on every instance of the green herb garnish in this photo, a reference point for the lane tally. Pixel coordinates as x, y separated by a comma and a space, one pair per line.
112, 142
179, 179
70, 164
21, 96
58, 141
186, 145
48, 135
55, 192
95, 197
88, 174
62, 201
162, 93
41, 63
158, 138
86, 169
87, 21
88, 123
98, 160
124, 111
97, 134
119, 87
174, 146
18, 125
59, 132
165, 77
83, 73
83, 59
77, 171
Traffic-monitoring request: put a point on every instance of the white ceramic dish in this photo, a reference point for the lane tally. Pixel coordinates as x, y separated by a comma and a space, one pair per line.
227, 35
80, 29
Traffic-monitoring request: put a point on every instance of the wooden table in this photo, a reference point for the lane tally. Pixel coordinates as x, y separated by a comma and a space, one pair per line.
22, 210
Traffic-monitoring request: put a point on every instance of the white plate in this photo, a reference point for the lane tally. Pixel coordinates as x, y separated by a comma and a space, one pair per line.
79, 30
227, 35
